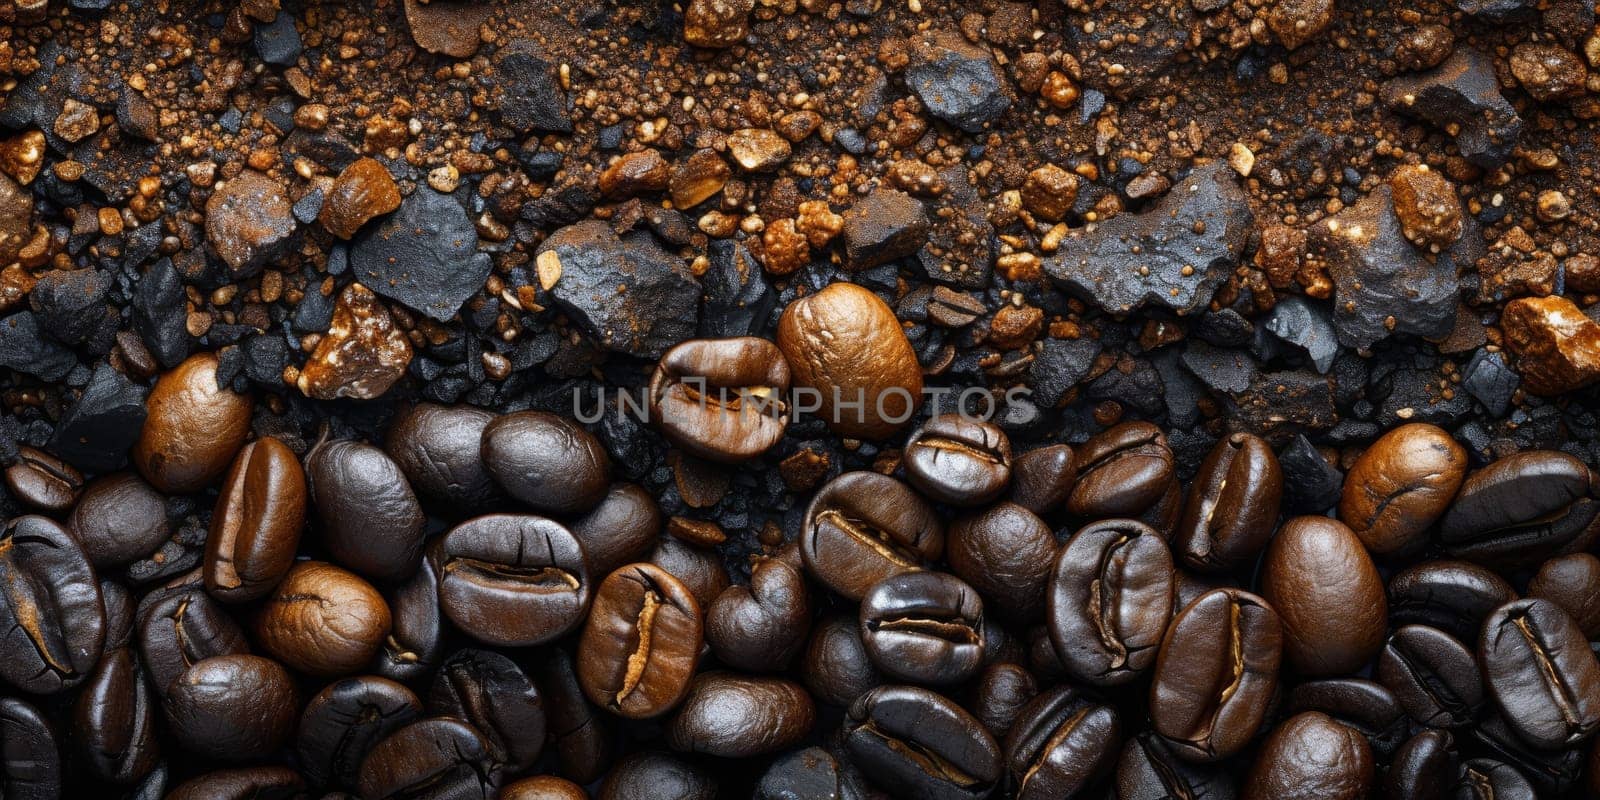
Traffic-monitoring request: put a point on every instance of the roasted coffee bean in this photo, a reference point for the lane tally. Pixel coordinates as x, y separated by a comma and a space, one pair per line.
1328, 594
543, 787
50, 609
244, 783
344, 720
180, 626
1311, 757
1364, 706
642, 644
1573, 583
1216, 674
1552, 772
1042, 478
621, 530
1149, 770
193, 429
740, 716
1433, 675
812, 773
845, 345
440, 757
1110, 601
232, 708
369, 519
915, 743
958, 460
1005, 552
1188, 586
722, 399
43, 481
581, 735
439, 449
1400, 486
546, 462
1453, 596
923, 627
497, 698
114, 720
836, 667
701, 570
120, 615
1061, 743
323, 620
1540, 672
30, 756
412, 648
255, 528
119, 519
647, 776
1002, 690
1423, 768
512, 579
1233, 505
863, 527
1487, 779
761, 627
1125, 471
1523, 509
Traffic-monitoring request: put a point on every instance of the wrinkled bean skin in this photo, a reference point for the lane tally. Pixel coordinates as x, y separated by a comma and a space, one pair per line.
836, 667
1002, 691
233, 708
722, 399
495, 696
1453, 596
114, 720
761, 627
119, 519
368, 517
438, 448
52, 620
1311, 757
1523, 508
923, 627
1573, 583
1110, 601
639, 651
1060, 743
737, 716
255, 528
1149, 770
512, 580
846, 344
959, 461
1042, 478
323, 620
1006, 553
344, 720
31, 768
1433, 676
1539, 670
1328, 593
245, 783
193, 429
43, 481
1215, 674
1122, 472
621, 530
1400, 486
442, 756
863, 527
1233, 505
1423, 767
1367, 707
915, 743
546, 462
646, 776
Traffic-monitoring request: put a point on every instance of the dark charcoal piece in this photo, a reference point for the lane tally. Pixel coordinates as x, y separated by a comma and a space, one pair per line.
882, 227
1492, 9
739, 301
530, 99
626, 292
158, 314
959, 83
961, 241
96, 432
1462, 94
1310, 483
1058, 366
1303, 324
70, 303
1227, 371
277, 42
425, 255
24, 347
1491, 381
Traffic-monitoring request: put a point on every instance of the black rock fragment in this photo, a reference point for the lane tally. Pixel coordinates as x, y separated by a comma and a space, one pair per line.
1280, 404
531, 99
1310, 484
425, 255
626, 292
25, 348
1221, 370
1225, 328
1492, 9
1058, 366
277, 42
70, 303
883, 226
961, 242
1462, 94
159, 315
958, 82
136, 115
738, 299
1488, 378
96, 432
1305, 325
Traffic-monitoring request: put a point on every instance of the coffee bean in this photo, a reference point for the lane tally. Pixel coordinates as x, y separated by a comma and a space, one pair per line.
1433, 676
923, 627
1364, 706
1522, 509
580, 734
1042, 478
193, 429
1110, 599
1060, 744
1400, 486
1311, 757
30, 765
701, 570
1487, 779
1125, 471
50, 608
812, 772
344, 720
246, 783
496, 697
836, 667
439, 449
543, 787
646, 776
1423, 767
412, 649
114, 720
232, 708
1148, 769
1006, 553
1573, 583
960, 461
863, 527
845, 345
920, 744
119, 519
1453, 596
43, 481
621, 530
1216, 673
1233, 505
323, 620
1001, 692
369, 519
722, 399
255, 528
512, 579
1540, 672
640, 648
739, 716
762, 626
439, 757
179, 626
1552, 772
1328, 593
546, 462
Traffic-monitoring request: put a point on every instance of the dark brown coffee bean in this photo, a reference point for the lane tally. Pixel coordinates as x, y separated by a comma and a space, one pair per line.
1311, 757
1401, 485
957, 460
1573, 583
1233, 505
52, 620
1005, 552
544, 787
180, 626
1423, 768
701, 570
581, 735
412, 649
255, 528
1487, 779
923, 627
740, 716
836, 667
369, 519
1122, 472
1541, 673
439, 450
30, 762
1328, 593
438, 757
232, 708
845, 344
1149, 770
1522, 509
193, 429
642, 643
323, 620
1433, 676
1552, 772
344, 720
512, 580
495, 696
919, 744
863, 527
546, 462
1366, 707
1216, 674
245, 783
621, 530
1002, 690
119, 519
1060, 744
812, 773
1110, 600
43, 481
1042, 478
114, 720
761, 627
722, 399
1453, 596
647, 776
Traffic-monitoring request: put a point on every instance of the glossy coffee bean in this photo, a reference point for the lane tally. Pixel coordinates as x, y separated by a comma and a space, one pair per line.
1311, 757
862, 527
1233, 505
646, 776
232, 708
179, 626
1423, 768
740, 716
1149, 770
1060, 744
512, 580
1453, 596
579, 733
1551, 772
847, 346
255, 528
244, 783
1433, 676
642, 644
700, 569
344, 720
497, 699
1487, 779
1400, 486
30, 755
810, 773
323, 620
1539, 670
621, 530
43, 481
722, 399
366, 513
1002, 690
193, 429
1523, 509
1216, 673
543, 787
439, 757
1364, 706
1122, 472
1573, 583
413, 647
114, 720
1042, 478
52, 621
836, 667
439, 448
761, 627
119, 519
548, 463
957, 460
1328, 593
1110, 601
915, 743
923, 627
1006, 553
